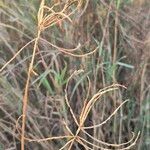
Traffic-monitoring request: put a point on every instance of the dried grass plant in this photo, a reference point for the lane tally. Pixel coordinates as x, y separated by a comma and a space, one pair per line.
47, 17
88, 104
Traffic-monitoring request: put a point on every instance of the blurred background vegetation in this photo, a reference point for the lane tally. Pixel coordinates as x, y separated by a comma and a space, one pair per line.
121, 31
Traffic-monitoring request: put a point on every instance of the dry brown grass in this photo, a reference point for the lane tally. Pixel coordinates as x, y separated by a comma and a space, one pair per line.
48, 16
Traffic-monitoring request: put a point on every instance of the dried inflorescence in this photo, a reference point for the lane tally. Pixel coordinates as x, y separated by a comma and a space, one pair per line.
77, 137
47, 17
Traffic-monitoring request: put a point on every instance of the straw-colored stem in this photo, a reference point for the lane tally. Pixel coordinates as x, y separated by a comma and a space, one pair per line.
25, 97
